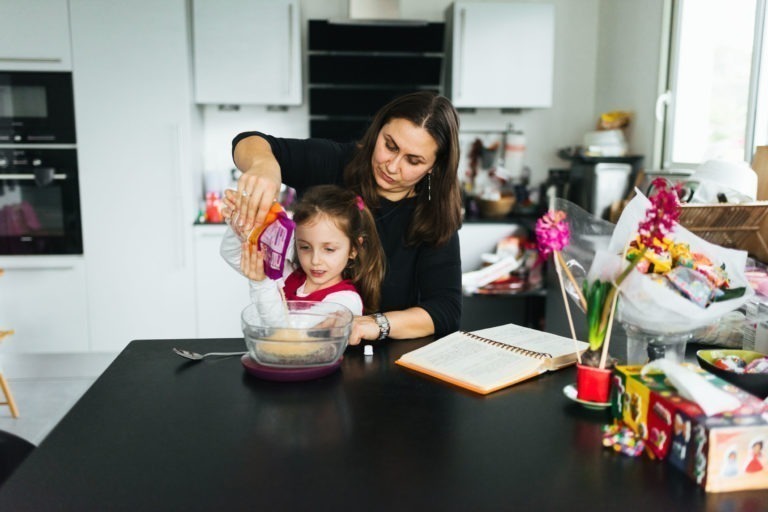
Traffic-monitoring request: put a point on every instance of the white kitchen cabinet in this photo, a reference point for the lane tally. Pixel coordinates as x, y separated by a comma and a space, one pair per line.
137, 134
222, 293
501, 55
34, 35
43, 299
247, 52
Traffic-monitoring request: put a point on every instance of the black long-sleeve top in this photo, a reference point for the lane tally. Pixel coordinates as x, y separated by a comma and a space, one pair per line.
421, 275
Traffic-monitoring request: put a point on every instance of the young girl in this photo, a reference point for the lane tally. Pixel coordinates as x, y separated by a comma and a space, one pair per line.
339, 255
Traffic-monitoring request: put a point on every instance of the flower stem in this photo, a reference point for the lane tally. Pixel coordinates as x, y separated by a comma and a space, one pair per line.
567, 271
609, 299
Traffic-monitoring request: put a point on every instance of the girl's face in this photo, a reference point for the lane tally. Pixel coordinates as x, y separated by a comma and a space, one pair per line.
323, 250
403, 155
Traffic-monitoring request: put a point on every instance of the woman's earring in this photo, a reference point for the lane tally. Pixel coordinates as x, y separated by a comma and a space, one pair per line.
429, 187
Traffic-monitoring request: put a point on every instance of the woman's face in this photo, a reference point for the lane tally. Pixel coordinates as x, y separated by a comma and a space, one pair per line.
403, 155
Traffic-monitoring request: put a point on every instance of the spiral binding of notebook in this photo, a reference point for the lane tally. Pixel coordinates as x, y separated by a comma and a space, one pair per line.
511, 348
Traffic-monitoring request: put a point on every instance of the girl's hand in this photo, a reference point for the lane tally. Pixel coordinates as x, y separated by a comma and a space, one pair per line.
363, 328
252, 262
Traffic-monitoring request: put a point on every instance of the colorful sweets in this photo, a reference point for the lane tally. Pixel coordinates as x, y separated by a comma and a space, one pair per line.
737, 364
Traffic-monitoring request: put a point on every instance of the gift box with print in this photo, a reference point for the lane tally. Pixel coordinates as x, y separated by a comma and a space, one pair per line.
723, 452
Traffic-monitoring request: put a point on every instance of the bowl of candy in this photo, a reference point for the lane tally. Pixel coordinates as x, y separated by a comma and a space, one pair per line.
296, 334
746, 369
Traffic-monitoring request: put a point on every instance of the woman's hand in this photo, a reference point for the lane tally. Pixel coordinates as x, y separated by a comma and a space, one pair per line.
257, 188
252, 262
363, 328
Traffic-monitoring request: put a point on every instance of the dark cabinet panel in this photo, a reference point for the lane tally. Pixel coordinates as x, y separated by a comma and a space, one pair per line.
376, 36
357, 67
378, 69
343, 102
341, 130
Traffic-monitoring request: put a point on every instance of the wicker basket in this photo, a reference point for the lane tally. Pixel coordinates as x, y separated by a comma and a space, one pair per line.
736, 226
496, 209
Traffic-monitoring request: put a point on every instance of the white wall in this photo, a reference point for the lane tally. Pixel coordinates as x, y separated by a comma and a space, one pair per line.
572, 113
629, 76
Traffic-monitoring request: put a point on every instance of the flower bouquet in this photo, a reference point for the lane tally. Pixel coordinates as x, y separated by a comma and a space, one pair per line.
661, 280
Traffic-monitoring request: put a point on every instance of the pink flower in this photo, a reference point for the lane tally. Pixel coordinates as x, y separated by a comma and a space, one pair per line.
552, 232
661, 216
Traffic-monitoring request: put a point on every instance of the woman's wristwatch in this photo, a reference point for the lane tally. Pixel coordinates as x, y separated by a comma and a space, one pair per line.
383, 324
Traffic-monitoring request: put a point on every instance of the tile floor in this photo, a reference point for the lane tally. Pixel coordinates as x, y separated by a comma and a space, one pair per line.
45, 387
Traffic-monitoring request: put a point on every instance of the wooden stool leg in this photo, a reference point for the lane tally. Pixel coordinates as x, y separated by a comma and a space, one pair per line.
8, 396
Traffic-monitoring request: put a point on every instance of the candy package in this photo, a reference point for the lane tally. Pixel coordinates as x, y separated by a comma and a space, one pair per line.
274, 237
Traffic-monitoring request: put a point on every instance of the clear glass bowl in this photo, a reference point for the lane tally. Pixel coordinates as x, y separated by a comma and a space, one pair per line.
296, 334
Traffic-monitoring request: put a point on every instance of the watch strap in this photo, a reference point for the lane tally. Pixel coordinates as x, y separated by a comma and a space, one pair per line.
383, 324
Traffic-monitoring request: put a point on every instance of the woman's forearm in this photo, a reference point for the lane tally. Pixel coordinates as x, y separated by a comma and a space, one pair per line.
254, 154
409, 323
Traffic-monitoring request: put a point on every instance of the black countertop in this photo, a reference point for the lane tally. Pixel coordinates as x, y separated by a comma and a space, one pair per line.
156, 432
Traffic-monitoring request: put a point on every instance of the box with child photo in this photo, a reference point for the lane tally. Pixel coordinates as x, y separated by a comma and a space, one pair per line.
722, 452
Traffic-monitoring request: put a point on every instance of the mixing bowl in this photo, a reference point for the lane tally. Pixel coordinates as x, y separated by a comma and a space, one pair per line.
296, 334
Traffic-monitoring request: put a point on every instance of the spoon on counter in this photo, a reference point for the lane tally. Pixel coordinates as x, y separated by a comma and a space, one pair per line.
194, 356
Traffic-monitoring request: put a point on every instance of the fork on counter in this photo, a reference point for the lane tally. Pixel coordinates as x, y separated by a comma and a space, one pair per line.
194, 356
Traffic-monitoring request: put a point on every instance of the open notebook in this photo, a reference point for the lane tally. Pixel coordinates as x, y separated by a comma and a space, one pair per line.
491, 359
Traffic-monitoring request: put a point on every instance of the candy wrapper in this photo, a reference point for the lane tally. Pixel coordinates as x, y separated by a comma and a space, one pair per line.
274, 237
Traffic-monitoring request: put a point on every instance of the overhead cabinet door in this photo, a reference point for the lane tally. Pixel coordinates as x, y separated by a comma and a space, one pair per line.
247, 52
34, 36
501, 54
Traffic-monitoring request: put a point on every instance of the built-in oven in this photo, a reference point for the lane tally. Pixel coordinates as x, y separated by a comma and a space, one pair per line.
39, 186
36, 108
39, 202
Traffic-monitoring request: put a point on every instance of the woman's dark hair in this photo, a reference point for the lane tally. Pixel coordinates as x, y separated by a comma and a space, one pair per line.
347, 210
435, 220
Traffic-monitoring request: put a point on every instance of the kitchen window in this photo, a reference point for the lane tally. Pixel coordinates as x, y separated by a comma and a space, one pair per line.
716, 99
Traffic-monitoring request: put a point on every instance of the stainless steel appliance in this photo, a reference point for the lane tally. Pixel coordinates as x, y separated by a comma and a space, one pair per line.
39, 188
36, 107
39, 202
596, 182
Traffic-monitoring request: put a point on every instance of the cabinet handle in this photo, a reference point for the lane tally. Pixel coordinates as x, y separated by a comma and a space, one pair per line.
60, 176
289, 60
29, 59
180, 227
460, 65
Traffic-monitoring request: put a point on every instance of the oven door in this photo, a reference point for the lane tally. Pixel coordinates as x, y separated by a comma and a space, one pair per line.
36, 108
39, 202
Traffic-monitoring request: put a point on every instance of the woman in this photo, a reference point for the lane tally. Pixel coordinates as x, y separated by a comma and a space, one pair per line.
405, 170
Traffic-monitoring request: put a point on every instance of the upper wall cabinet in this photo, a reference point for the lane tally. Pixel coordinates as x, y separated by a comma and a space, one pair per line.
247, 52
34, 36
500, 55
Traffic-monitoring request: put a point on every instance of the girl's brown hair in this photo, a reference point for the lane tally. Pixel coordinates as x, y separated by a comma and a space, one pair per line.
347, 210
435, 220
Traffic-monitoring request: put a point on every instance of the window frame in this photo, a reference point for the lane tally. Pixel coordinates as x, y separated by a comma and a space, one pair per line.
756, 129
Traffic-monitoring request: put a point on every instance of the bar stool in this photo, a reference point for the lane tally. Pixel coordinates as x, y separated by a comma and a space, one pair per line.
9, 401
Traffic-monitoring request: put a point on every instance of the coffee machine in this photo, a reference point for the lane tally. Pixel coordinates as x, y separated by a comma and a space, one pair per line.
595, 183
